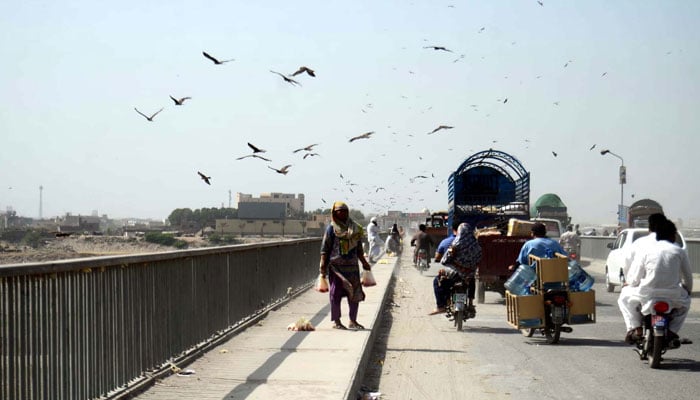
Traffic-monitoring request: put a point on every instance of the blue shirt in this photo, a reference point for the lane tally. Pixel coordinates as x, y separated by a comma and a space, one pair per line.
538, 247
445, 244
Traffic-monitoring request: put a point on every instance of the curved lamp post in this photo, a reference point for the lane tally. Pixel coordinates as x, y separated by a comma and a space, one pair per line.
623, 180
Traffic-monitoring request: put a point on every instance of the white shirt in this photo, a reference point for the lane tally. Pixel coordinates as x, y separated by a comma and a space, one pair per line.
638, 247
372, 231
659, 272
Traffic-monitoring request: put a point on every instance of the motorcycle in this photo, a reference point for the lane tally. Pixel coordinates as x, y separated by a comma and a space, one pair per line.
556, 313
573, 253
457, 308
422, 260
657, 338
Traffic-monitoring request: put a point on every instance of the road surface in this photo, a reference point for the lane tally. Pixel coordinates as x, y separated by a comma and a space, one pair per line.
417, 356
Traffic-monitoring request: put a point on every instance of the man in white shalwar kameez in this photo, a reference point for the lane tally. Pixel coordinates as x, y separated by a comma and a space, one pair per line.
662, 271
375, 242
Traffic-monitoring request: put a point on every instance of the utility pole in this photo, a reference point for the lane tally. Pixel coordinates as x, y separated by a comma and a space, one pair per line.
41, 201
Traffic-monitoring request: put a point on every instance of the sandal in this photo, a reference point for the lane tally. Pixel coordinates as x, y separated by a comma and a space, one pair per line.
438, 310
339, 325
355, 325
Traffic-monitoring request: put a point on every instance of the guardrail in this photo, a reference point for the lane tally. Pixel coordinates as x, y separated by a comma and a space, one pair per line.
91, 327
596, 247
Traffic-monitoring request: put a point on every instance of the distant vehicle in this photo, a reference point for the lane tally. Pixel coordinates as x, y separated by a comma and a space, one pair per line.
619, 250
436, 226
554, 228
639, 212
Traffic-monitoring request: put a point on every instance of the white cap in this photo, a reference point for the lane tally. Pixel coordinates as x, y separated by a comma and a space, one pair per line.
373, 219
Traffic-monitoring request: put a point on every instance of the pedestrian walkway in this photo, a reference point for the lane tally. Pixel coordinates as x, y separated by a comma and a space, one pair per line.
267, 361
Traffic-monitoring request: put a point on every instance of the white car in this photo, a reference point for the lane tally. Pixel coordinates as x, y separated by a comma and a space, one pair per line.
619, 251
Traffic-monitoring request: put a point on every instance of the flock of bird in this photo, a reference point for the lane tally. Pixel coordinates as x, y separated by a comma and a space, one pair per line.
310, 150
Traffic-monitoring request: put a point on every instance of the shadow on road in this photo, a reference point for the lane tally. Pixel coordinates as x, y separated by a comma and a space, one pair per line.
681, 364
573, 341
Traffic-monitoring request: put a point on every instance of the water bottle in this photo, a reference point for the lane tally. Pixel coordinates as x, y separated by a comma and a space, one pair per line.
519, 283
579, 280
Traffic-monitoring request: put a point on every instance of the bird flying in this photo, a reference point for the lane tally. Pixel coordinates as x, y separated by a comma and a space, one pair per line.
286, 79
214, 60
303, 69
146, 116
440, 127
505, 101
204, 178
310, 155
178, 102
540, 3
363, 136
438, 48
592, 147
254, 155
282, 170
256, 149
554, 153
307, 148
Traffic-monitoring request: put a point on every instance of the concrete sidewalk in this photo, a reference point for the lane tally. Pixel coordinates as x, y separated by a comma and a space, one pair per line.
266, 361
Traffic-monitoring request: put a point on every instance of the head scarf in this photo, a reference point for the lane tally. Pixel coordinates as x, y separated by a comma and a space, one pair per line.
464, 251
348, 232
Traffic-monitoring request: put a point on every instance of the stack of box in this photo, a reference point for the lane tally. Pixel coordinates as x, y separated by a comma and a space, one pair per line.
552, 274
519, 227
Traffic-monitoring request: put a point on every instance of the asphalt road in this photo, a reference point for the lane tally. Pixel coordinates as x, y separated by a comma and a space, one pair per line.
417, 356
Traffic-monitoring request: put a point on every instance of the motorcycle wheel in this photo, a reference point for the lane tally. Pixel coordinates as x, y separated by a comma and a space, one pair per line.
459, 319
655, 353
528, 332
552, 334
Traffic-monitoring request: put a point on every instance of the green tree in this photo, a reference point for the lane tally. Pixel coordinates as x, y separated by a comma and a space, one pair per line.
32, 239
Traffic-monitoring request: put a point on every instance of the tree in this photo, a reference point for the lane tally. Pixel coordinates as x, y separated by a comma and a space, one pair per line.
201, 217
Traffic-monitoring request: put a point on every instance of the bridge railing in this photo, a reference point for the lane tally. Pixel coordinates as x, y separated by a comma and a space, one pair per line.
88, 327
596, 247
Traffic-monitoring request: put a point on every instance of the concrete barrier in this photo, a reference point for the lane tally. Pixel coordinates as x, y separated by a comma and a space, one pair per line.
596, 247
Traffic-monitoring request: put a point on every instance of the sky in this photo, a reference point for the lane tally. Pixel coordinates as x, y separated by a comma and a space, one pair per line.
620, 75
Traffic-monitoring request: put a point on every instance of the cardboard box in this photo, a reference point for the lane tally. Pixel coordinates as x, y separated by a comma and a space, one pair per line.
519, 227
524, 311
551, 270
582, 307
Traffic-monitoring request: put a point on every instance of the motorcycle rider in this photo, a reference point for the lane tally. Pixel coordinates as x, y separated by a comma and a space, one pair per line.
460, 261
375, 242
538, 246
639, 246
421, 240
661, 271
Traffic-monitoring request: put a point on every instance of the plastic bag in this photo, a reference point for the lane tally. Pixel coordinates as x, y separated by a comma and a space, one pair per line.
367, 278
321, 284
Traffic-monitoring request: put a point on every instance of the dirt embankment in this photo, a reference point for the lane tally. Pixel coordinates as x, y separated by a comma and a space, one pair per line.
91, 246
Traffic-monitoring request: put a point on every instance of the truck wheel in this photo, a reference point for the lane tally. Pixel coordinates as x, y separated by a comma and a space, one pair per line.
480, 291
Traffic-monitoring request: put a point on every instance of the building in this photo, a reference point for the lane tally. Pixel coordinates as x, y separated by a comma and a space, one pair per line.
293, 204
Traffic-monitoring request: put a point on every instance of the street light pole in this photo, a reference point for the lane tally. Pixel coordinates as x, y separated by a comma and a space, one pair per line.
623, 179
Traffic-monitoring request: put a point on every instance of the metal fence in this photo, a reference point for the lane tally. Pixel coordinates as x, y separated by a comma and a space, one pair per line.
596, 247
80, 329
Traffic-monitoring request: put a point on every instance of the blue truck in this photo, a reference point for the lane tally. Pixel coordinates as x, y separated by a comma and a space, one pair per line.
487, 190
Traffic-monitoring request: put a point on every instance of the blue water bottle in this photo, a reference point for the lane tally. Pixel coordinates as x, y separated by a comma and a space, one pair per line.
579, 280
519, 283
